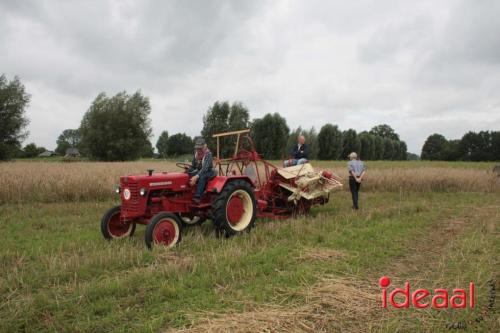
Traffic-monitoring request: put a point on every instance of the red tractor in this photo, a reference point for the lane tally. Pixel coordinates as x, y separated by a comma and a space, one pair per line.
244, 188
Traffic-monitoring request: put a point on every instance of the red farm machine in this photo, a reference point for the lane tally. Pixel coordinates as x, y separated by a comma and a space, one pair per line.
245, 187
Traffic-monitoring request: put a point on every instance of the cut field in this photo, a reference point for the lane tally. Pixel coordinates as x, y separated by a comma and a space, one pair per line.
435, 225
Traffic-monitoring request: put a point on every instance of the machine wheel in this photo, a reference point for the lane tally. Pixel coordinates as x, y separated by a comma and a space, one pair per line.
191, 219
234, 209
163, 229
112, 227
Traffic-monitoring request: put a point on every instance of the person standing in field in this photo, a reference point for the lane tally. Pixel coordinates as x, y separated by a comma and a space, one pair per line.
357, 171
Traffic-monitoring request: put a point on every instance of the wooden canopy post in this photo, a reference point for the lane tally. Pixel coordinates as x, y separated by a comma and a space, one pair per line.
218, 154
237, 133
237, 144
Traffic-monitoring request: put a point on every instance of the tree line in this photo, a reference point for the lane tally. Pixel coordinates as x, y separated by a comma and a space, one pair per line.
118, 128
473, 146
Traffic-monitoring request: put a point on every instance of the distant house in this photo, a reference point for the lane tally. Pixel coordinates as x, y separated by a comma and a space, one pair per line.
72, 152
47, 153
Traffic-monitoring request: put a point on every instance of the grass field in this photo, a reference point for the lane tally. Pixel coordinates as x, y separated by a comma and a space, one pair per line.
433, 224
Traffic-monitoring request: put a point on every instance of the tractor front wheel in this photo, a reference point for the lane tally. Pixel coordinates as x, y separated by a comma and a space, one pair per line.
234, 209
164, 229
113, 227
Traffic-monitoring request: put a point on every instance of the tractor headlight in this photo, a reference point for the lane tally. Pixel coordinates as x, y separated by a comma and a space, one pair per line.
118, 189
143, 191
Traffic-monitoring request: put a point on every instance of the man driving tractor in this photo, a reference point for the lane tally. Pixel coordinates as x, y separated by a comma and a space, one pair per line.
201, 169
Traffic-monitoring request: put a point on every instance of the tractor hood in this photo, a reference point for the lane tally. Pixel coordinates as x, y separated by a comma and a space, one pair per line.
176, 181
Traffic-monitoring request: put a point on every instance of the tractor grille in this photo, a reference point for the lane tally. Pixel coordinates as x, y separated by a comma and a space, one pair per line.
131, 206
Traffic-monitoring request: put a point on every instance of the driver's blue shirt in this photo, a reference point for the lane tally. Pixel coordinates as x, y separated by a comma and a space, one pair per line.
202, 167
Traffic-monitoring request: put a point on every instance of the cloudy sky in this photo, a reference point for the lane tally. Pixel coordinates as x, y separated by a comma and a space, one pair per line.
420, 66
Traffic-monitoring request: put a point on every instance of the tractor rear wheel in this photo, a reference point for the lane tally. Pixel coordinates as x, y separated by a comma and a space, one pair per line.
191, 219
112, 227
234, 209
164, 229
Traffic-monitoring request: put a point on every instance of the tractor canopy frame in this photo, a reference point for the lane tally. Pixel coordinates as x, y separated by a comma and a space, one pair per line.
278, 191
244, 160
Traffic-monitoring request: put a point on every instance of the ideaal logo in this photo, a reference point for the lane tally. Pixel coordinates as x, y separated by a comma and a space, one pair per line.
423, 298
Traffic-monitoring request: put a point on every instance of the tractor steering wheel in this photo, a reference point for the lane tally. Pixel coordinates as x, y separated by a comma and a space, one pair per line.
183, 165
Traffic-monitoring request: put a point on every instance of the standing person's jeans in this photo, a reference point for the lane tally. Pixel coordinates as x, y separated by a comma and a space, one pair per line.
202, 182
354, 187
294, 161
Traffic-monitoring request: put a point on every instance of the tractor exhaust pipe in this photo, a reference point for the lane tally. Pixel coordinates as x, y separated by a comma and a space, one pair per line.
150, 172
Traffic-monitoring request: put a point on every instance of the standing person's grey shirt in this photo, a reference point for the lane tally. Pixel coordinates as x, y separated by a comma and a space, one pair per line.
357, 166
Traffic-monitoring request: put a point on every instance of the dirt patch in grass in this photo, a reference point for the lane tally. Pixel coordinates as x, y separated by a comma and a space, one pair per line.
333, 304
174, 258
321, 254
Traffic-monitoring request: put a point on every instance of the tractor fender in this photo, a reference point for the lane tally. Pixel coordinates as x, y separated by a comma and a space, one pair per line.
216, 184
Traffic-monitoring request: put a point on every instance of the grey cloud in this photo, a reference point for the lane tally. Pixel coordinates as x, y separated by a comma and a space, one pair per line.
417, 66
91, 45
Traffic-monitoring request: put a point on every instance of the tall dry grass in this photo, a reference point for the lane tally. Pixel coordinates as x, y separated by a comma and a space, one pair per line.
430, 179
22, 182
52, 182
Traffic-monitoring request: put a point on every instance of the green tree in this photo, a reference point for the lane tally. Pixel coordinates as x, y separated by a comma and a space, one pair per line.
116, 128
367, 150
162, 144
396, 155
385, 131
378, 147
69, 138
329, 142
403, 151
292, 139
215, 120
413, 157
453, 150
476, 146
495, 146
31, 150
179, 144
13, 121
223, 117
270, 135
435, 148
389, 150
239, 117
350, 143
147, 150
312, 141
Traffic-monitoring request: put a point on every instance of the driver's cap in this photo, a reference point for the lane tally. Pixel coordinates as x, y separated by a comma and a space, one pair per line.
199, 142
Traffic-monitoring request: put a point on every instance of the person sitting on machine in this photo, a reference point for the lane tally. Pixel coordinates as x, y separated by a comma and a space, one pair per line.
201, 168
299, 153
